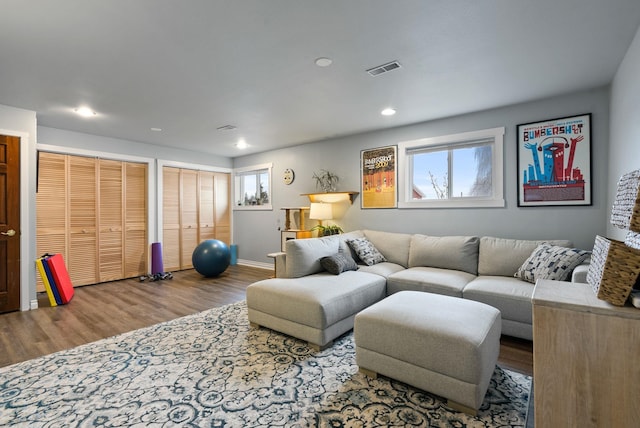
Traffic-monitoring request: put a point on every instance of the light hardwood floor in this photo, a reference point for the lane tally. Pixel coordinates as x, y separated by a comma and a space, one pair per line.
104, 310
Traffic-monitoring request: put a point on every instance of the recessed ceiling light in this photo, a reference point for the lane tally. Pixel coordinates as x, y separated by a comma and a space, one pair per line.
388, 111
85, 112
323, 62
156, 129
241, 144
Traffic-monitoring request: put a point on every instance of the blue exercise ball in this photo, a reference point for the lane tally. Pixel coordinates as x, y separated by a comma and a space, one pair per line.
211, 257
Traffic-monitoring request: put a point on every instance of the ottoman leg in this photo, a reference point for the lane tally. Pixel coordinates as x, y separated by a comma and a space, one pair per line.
319, 348
462, 408
368, 373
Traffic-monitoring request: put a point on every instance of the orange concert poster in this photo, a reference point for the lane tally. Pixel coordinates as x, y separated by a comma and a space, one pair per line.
379, 177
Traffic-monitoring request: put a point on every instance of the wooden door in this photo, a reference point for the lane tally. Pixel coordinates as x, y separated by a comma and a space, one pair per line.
171, 218
110, 219
82, 260
188, 216
207, 221
135, 221
222, 207
51, 207
94, 213
9, 223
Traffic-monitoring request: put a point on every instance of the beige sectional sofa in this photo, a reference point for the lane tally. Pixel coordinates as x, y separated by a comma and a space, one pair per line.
309, 303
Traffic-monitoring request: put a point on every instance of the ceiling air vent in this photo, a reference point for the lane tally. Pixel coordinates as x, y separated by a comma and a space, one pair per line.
376, 71
226, 128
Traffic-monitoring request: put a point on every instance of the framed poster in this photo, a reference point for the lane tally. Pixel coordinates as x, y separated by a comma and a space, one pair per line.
378, 177
554, 162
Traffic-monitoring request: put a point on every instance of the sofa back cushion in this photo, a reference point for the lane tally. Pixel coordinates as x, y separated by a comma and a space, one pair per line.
344, 237
303, 255
445, 252
393, 246
503, 257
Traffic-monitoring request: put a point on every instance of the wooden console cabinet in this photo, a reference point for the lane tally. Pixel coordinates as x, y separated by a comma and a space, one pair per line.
586, 358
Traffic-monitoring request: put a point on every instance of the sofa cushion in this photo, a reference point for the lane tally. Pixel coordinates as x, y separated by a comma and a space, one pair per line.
433, 280
508, 294
393, 246
344, 237
303, 255
383, 269
551, 262
503, 257
338, 263
445, 252
366, 251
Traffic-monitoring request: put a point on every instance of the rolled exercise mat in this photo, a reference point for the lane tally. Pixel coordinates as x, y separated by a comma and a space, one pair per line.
156, 258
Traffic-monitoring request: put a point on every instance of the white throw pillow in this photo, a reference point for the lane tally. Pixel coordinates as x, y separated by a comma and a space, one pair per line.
366, 251
551, 262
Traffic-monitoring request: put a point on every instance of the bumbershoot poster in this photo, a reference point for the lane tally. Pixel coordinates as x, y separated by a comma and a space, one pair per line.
378, 185
554, 162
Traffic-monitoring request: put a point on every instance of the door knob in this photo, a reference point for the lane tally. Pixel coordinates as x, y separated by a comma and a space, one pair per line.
9, 232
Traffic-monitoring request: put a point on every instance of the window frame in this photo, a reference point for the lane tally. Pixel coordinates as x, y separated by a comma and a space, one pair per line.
257, 169
405, 168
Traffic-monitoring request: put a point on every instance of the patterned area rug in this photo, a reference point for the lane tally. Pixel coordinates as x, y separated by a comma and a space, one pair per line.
212, 370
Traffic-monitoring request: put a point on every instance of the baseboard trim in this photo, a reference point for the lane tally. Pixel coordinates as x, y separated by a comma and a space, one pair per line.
260, 265
33, 304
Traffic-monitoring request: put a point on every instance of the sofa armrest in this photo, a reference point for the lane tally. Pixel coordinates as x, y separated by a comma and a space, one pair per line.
580, 273
279, 264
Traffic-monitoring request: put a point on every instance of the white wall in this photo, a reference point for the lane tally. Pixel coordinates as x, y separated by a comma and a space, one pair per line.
256, 232
22, 123
624, 149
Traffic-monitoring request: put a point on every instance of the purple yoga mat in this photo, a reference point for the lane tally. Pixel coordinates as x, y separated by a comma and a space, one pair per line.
156, 258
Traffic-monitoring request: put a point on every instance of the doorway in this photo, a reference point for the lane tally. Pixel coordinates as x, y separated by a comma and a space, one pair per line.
9, 223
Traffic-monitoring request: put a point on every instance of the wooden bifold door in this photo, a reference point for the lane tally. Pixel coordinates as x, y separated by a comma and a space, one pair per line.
196, 206
94, 212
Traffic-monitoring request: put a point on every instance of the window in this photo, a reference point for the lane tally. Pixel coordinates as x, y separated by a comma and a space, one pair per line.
252, 187
462, 170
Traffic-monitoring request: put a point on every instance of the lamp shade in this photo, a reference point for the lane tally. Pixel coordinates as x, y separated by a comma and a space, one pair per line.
320, 211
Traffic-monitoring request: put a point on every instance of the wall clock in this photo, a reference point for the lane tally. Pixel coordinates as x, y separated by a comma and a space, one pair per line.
288, 176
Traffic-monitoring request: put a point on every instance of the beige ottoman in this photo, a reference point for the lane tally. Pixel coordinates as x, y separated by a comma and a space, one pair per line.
441, 344
317, 308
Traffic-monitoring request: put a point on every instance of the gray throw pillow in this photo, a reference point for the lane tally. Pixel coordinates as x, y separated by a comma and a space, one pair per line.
366, 251
551, 262
338, 263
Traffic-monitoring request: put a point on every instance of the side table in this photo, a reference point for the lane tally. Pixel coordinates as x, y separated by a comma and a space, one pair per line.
586, 355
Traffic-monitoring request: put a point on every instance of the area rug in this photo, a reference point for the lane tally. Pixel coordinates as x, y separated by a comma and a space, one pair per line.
212, 370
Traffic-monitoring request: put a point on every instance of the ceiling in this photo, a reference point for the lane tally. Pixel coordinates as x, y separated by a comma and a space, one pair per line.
190, 67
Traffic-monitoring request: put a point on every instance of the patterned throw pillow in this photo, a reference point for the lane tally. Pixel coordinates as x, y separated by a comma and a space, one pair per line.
366, 251
338, 263
551, 262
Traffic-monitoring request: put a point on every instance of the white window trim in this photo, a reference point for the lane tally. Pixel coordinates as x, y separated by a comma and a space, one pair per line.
405, 171
265, 207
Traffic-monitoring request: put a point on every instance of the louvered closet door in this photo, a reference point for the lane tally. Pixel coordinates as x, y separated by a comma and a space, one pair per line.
188, 216
171, 218
207, 222
51, 207
111, 219
82, 260
135, 220
222, 207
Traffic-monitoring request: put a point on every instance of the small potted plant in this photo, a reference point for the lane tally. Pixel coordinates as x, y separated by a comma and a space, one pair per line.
326, 180
330, 229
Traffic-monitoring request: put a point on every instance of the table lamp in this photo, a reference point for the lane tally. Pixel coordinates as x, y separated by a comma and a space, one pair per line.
320, 211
